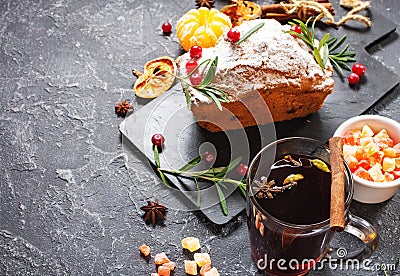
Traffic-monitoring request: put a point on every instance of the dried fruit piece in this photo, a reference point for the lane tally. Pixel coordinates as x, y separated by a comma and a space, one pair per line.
202, 259
170, 265
154, 274
212, 272
161, 258
201, 27
164, 271
362, 173
144, 249
191, 243
292, 178
320, 165
157, 77
190, 267
376, 173
388, 164
241, 10
205, 268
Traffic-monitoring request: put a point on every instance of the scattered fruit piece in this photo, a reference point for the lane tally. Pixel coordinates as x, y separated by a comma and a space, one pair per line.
166, 28
196, 79
196, 51
161, 258
233, 35
362, 173
190, 66
359, 69
353, 78
170, 265
201, 27
190, 267
145, 250
242, 169
191, 243
376, 173
158, 140
205, 268
163, 271
212, 272
154, 274
157, 77
240, 11
202, 259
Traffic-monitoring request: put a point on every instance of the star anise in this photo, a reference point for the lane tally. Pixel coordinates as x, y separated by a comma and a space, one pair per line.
205, 3
267, 189
122, 108
153, 211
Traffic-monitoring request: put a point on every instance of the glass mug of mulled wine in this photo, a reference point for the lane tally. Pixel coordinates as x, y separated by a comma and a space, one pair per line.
288, 208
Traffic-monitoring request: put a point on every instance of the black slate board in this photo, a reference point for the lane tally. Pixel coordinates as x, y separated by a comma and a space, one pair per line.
168, 115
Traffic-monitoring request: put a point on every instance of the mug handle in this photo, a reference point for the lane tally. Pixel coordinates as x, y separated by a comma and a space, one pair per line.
363, 230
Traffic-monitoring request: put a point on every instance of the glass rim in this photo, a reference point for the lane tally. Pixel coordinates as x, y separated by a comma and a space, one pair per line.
317, 225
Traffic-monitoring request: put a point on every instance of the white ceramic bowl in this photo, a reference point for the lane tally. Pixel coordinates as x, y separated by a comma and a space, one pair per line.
367, 191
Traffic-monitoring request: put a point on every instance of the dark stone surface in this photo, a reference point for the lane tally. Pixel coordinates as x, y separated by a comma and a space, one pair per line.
69, 204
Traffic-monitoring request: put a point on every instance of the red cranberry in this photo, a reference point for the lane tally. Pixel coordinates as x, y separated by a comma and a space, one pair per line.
166, 27
191, 65
353, 78
157, 140
209, 157
295, 28
359, 69
195, 51
233, 35
196, 79
242, 169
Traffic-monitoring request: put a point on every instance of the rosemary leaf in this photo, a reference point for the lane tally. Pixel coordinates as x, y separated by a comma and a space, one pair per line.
323, 40
222, 200
187, 96
250, 32
228, 168
164, 179
156, 157
209, 77
214, 98
192, 163
337, 67
325, 54
337, 44
198, 193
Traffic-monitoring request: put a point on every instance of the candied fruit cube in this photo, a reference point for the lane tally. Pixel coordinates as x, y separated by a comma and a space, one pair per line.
191, 243
364, 164
349, 150
154, 274
362, 173
205, 268
371, 149
170, 265
367, 131
202, 259
397, 149
144, 249
376, 158
352, 162
397, 162
382, 134
190, 267
388, 177
366, 141
161, 258
350, 139
376, 173
388, 164
383, 142
389, 152
212, 272
164, 271
396, 174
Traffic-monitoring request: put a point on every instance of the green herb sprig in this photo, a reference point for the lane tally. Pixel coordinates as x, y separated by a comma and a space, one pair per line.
215, 175
205, 87
250, 32
323, 50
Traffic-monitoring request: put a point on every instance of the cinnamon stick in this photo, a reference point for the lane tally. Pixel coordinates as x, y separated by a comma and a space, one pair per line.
337, 186
276, 11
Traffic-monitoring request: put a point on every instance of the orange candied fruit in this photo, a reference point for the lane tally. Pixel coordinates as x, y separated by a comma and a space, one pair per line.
161, 258
144, 249
164, 271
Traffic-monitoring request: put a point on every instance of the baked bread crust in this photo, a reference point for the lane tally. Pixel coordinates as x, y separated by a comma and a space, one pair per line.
269, 68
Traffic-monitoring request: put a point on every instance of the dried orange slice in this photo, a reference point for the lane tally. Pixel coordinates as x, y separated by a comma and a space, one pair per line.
201, 27
242, 10
157, 77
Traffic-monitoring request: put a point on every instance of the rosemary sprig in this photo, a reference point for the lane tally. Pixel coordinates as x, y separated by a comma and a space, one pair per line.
250, 32
214, 175
323, 50
205, 87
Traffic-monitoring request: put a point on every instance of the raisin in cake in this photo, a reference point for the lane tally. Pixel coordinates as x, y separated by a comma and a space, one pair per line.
270, 68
